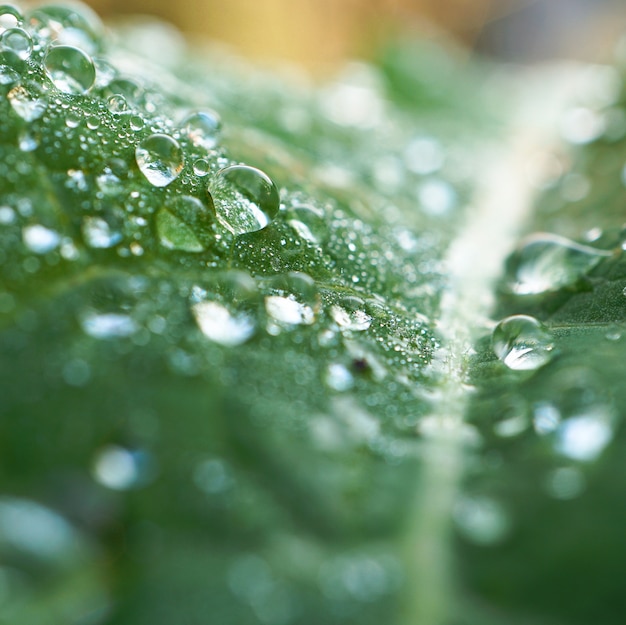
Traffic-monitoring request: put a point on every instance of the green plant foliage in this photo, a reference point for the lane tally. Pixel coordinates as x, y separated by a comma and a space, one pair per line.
235, 346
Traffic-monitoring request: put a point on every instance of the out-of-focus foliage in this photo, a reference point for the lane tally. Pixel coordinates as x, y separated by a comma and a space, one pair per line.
222, 385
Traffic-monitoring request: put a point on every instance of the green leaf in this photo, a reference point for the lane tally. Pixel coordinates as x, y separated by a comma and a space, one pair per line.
265, 394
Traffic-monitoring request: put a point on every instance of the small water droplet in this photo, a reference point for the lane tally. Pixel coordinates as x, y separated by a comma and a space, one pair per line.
108, 325
350, 314
28, 142
93, 122
202, 128
218, 324
546, 418
136, 123
117, 104
160, 159
70, 69
28, 101
424, 155
547, 262
121, 469
99, 234
16, 41
201, 167
522, 343
73, 119
40, 239
8, 76
245, 198
7, 215
175, 234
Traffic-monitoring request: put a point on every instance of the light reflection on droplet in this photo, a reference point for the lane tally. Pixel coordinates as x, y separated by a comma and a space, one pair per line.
218, 324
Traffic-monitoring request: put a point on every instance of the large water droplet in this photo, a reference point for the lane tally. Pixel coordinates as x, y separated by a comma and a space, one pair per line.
522, 343
40, 239
585, 436
350, 314
99, 234
294, 299
76, 26
218, 324
547, 262
160, 159
175, 234
28, 101
245, 198
10, 17
16, 41
70, 69
202, 128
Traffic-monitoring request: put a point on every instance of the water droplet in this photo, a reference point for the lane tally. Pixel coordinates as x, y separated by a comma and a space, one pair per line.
203, 129
70, 69
160, 159
98, 233
522, 343
28, 141
121, 469
93, 122
201, 167
547, 262
294, 299
40, 239
218, 324
16, 41
482, 520
245, 199
175, 234
349, 314
73, 119
136, 123
107, 325
424, 155
288, 310
117, 104
585, 436
338, 377
10, 17
28, 101
77, 25
546, 418
8, 76
7, 215
436, 197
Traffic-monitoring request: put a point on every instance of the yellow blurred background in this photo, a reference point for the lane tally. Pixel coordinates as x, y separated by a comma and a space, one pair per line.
320, 33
